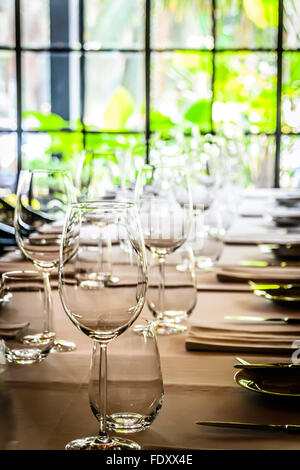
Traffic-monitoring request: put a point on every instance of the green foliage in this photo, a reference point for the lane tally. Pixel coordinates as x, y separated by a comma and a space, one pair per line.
199, 113
263, 13
119, 109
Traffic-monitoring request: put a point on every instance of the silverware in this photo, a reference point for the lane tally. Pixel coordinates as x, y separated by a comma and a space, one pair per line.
253, 319
277, 365
290, 428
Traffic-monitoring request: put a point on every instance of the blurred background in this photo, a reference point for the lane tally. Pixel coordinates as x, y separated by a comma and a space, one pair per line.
218, 76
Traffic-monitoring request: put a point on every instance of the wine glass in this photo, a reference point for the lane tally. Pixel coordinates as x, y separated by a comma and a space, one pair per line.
42, 200
164, 201
180, 289
97, 176
102, 309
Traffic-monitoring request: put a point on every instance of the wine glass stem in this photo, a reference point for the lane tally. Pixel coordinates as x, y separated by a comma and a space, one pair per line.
103, 392
161, 291
48, 306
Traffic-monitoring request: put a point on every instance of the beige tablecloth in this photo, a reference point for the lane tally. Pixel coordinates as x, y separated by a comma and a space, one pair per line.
46, 405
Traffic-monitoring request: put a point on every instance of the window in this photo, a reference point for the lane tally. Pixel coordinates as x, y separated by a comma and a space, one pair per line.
94, 74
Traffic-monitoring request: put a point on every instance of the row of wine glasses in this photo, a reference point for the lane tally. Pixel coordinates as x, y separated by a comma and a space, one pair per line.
90, 241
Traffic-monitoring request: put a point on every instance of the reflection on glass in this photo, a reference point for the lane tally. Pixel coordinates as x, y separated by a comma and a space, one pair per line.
247, 24
116, 24
114, 97
182, 24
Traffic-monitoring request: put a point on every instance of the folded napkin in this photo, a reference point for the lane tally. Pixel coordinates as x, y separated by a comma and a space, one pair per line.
267, 237
290, 212
271, 274
210, 331
239, 337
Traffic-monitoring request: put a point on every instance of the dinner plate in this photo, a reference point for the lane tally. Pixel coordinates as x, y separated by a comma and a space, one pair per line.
275, 381
281, 294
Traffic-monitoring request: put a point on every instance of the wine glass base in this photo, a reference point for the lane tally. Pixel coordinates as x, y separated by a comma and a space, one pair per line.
61, 345
94, 443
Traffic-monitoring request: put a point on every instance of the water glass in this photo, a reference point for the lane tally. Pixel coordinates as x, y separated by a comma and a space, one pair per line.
23, 318
134, 382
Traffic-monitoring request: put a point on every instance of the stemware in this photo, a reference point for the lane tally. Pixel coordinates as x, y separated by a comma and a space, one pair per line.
102, 309
42, 200
97, 176
207, 236
164, 201
105, 175
180, 287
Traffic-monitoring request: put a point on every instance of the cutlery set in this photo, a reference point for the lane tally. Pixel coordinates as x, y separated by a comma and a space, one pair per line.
247, 366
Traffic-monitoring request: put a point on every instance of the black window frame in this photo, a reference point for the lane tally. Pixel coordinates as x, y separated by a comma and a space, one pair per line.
147, 50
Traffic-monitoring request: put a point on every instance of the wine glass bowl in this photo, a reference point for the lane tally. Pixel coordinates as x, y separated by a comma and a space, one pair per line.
98, 307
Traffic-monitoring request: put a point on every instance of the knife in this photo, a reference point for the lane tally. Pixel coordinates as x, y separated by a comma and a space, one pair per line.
252, 319
290, 428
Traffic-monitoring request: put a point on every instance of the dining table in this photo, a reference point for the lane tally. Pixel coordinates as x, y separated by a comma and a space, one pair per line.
45, 405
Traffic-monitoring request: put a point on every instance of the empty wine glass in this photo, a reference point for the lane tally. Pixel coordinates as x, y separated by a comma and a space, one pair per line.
180, 294
101, 309
97, 176
42, 200
207, 236
165, 206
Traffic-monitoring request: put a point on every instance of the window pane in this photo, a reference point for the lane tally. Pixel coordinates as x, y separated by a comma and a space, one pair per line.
246, 24
290, 162
182, 24
291, 21
181, 89
291, 92
7, 90
117, 23
8, 164
36, 17
50, 104
245, 91
7, 23
259, 161
114, 91
59, 150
